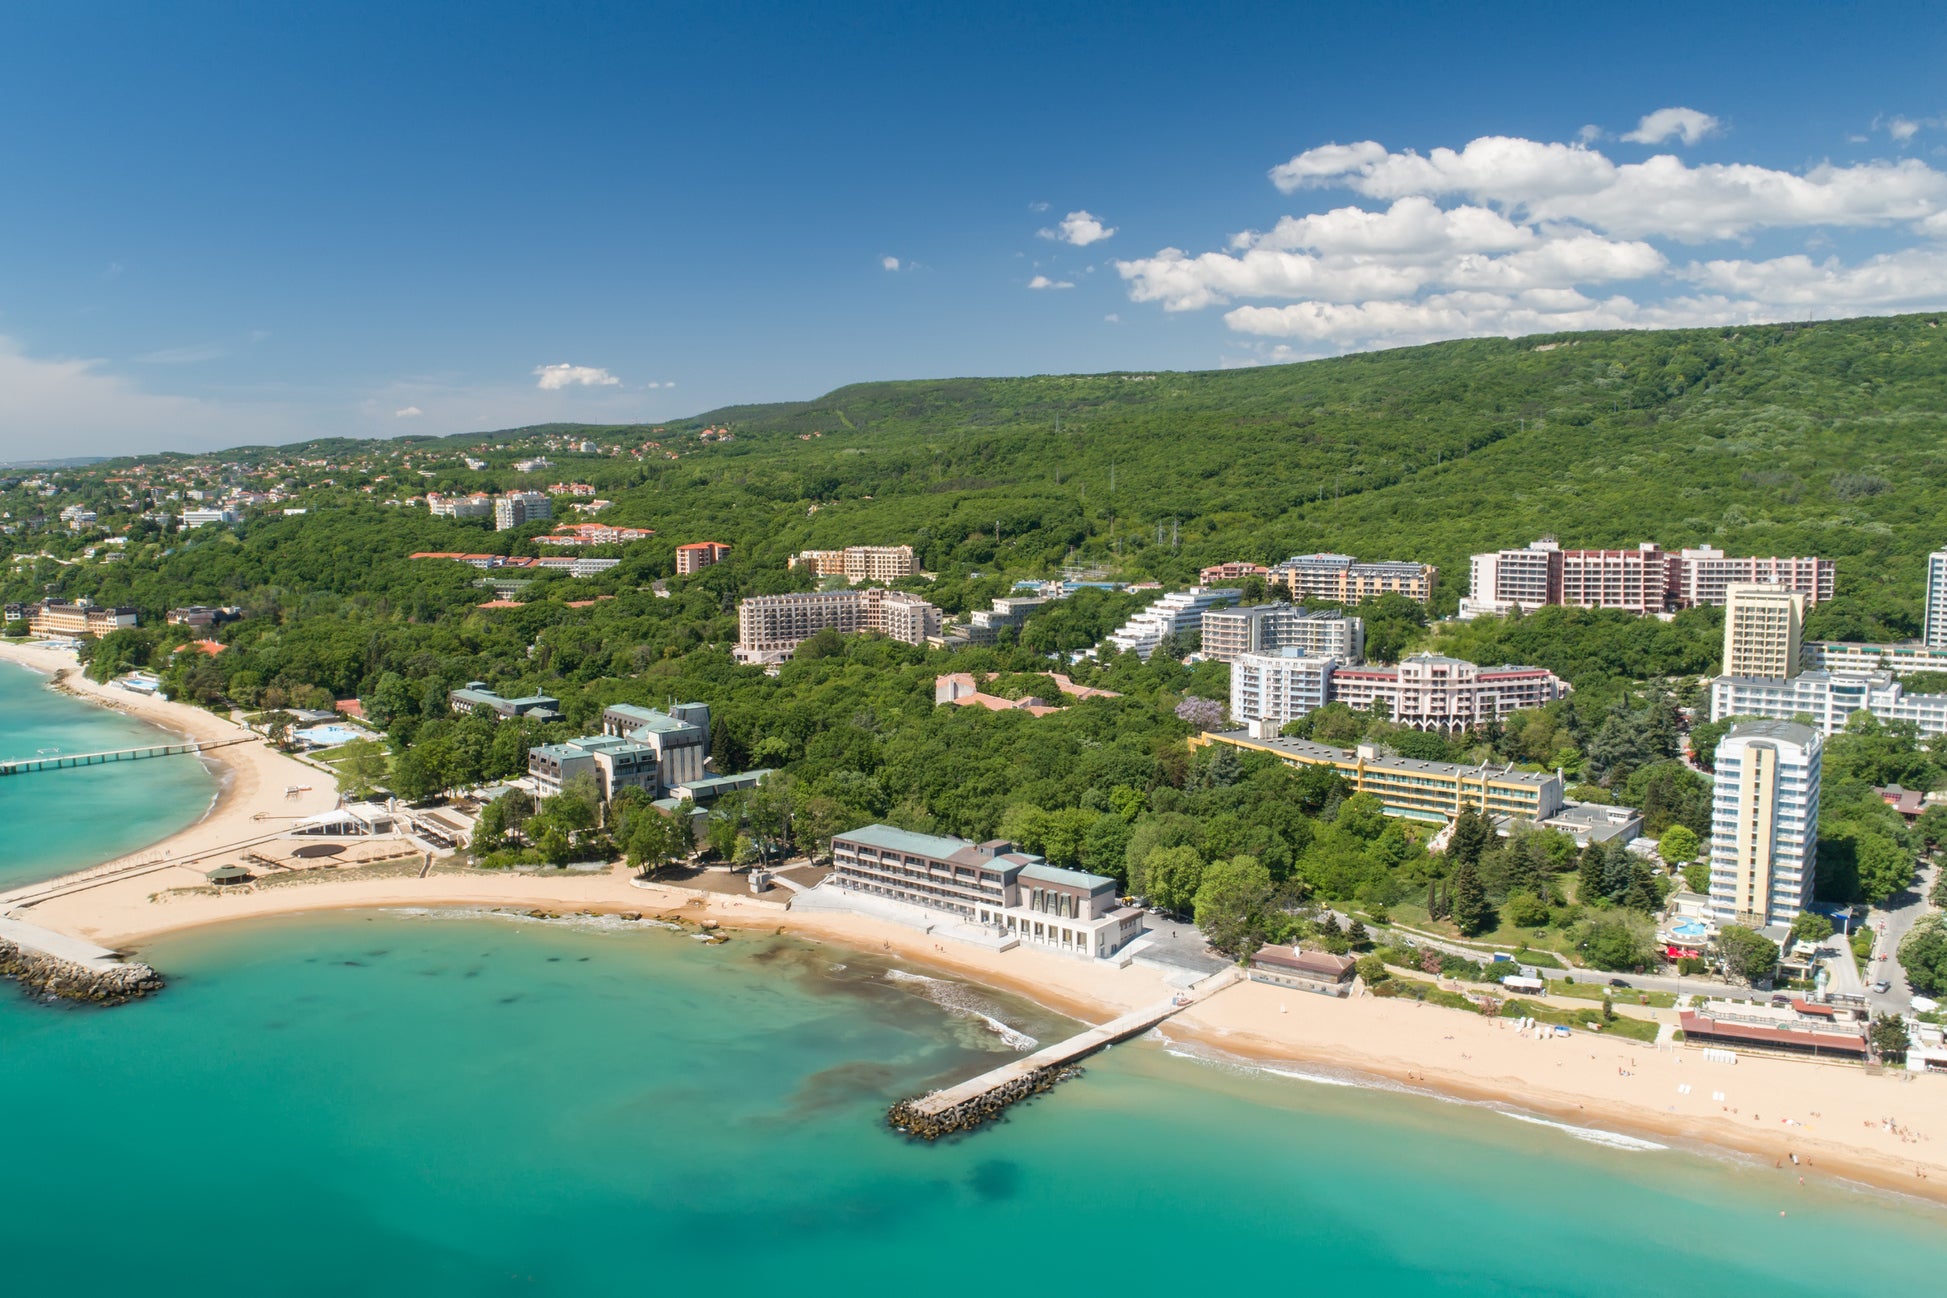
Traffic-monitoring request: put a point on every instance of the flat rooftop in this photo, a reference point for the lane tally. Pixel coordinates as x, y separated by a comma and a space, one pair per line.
1306, 749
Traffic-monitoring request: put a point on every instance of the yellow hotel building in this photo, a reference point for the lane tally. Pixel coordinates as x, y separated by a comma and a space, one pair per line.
1415, 789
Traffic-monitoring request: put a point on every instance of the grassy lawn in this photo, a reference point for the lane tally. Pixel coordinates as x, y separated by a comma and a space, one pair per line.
1506, 937
1595, 991
1588, 1020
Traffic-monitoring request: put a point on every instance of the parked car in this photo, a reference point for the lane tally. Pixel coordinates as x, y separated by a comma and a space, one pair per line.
1619, 982
1881, 987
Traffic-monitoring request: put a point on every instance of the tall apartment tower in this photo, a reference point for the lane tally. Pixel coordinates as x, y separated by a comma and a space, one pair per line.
1763, 624
1764, 826
1935, 633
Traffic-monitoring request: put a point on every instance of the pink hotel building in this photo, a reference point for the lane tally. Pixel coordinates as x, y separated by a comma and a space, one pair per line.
1644, 580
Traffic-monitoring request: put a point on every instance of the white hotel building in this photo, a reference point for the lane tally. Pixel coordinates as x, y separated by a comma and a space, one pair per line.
1764, 823
1177, 613
1425, 691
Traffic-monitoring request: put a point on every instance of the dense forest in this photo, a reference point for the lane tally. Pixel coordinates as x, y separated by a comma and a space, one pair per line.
1818, 439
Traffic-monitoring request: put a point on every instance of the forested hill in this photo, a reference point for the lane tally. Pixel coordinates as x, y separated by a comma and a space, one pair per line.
1797, 439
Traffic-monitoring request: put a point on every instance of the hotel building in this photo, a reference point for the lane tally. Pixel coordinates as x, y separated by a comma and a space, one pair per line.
1339, 578
1177, 613
1764, 823
478, 505
1425, 691
991, 883
679, 737
1232, 571
855, 563
1900, 659
518, 508
1934, 616
542, 707
1417, 790
769, 627
1762, 626
698, 555
54, 617
1829, 698
1642, 581
1229, 633
615, 763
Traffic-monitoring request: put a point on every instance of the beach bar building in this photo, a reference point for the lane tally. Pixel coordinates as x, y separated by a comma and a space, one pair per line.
1306, 971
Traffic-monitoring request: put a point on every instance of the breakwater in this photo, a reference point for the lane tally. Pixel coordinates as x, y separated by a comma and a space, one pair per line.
911, 1118
62, 968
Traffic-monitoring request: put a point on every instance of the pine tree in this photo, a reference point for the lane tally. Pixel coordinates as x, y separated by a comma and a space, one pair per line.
1589, 874
1470, 909
1331, 925
1472, 835
1358, 935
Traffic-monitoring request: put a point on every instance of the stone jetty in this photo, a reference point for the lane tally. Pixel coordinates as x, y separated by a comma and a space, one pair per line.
63, 968
980, 1100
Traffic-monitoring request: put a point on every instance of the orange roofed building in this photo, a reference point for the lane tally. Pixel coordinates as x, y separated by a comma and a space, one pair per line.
698, 555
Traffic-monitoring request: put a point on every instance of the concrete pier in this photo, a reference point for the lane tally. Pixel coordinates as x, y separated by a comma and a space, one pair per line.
982, 1099
53, 964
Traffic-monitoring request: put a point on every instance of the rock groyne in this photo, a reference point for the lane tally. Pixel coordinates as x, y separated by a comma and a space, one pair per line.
95, 983
918, 1123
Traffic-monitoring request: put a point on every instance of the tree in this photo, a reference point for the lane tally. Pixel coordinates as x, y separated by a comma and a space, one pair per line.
1372, 969
1932, 826
1472, 835
1471, 913
1589, 875
1233, 905
1696, 877
1747, 954
1923, 955
654, 841
1889, 1038
362, 767
1618, 942
1172, 877
1679, 845
1525, 910
1810, 926
1356, 934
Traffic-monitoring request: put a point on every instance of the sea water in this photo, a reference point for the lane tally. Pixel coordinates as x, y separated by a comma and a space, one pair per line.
442, 1103
55, 821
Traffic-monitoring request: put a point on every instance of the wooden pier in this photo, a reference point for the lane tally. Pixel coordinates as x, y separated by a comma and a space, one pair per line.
66, 761
981, 1099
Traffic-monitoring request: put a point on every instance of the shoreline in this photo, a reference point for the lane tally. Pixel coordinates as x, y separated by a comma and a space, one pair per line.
1585, 1082
1832, 1116
240, 808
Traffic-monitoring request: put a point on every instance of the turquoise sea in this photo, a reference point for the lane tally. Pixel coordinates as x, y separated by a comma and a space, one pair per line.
55, 821
452, 1103
438, 1104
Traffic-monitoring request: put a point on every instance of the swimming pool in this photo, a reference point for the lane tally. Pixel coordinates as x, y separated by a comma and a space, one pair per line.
330, 736
1689, 930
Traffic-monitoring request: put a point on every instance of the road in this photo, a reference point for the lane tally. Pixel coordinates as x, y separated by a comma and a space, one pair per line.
1679, 986
1891, 923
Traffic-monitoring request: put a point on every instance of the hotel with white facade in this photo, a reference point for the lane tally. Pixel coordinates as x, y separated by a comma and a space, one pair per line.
1764, 823
1229, 633
1425, 691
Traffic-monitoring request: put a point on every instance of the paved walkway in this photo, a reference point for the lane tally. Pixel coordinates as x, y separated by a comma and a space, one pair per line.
31, 937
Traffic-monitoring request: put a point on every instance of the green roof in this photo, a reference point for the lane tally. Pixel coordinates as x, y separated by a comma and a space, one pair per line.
1073, 878
905, 840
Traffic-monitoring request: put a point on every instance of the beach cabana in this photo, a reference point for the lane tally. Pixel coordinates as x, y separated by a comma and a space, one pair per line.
225, 875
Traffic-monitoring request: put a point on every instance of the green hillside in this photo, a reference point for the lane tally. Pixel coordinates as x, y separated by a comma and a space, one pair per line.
1811, 439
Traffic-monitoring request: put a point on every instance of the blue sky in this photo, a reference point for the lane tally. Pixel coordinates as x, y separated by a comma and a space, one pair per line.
221, 223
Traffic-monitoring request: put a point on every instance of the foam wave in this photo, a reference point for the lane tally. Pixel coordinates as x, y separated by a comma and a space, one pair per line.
590, 923
1594, 1135
958, 998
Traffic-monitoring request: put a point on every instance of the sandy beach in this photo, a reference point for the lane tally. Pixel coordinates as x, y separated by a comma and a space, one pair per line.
253, 778
1887, 1130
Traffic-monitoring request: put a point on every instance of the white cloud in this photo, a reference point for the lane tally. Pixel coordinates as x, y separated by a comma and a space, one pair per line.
1687, 124
1042, 281
1037, 207
1530, 180
1506, 235
1080, 229
890, 263
408, 412
555, 377
1112, 318
1899, 127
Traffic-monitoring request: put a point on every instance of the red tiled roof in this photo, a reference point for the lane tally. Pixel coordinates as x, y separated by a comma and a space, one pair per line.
1704, 1025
